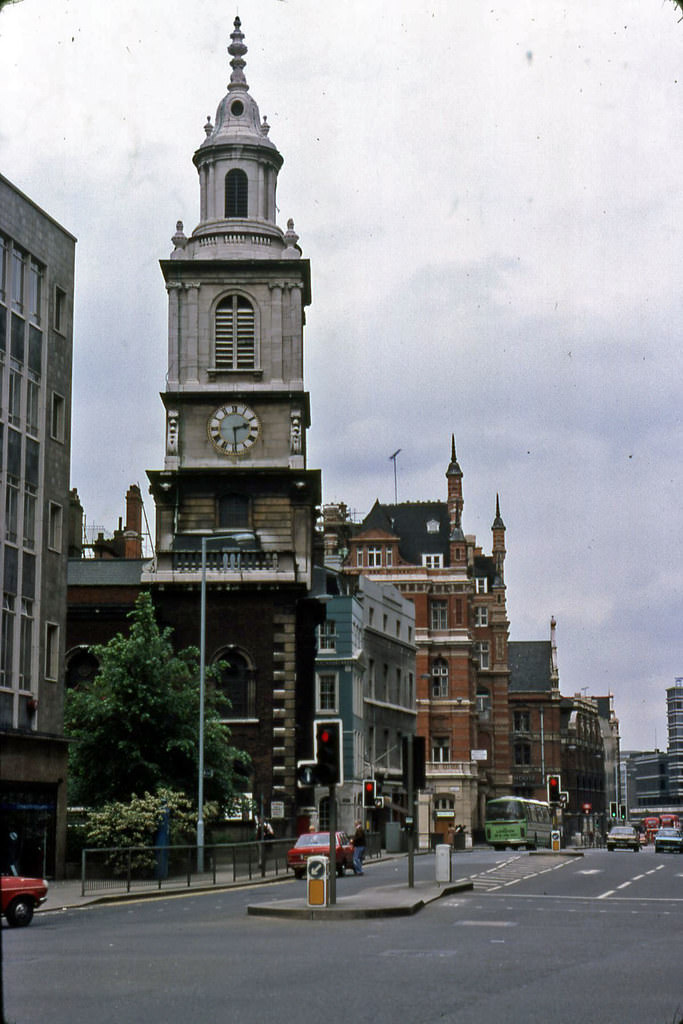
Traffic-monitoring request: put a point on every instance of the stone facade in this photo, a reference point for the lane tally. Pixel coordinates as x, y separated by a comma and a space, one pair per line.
36, 318
234, 473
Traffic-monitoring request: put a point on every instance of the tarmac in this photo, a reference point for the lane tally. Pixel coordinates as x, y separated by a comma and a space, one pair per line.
368, 900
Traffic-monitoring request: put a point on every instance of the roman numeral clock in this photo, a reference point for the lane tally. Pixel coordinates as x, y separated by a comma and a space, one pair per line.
233, 429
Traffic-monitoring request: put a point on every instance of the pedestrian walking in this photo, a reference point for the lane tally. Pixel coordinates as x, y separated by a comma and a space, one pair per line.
358, 849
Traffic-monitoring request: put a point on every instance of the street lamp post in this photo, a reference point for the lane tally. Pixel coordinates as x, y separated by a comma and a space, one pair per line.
202, 687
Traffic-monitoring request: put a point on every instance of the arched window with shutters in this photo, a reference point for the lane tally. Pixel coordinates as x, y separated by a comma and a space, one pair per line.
236, 194
235, 334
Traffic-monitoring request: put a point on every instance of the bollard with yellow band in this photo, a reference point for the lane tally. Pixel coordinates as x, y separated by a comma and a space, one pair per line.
317, 875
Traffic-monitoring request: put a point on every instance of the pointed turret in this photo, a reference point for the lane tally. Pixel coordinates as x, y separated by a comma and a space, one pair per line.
554, 672
498, 549
458, 545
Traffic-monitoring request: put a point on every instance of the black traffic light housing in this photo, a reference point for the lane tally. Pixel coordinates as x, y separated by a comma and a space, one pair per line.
369, 792
613, 810
554, 784
419, 780
329, 759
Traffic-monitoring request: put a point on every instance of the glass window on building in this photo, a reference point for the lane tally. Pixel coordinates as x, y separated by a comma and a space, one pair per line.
327, 635
327, 691
439, 678
438, 614
521, 721
441, 749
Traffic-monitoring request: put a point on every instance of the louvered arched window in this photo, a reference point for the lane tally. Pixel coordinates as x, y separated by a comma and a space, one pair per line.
236, 194
235, 338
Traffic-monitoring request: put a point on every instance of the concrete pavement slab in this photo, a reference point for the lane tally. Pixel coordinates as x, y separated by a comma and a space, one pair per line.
398, 900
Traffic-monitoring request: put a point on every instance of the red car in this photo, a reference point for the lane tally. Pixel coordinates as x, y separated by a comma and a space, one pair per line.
19, 897
319, 843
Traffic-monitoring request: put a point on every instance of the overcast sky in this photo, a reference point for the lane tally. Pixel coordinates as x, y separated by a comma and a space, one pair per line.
490, 197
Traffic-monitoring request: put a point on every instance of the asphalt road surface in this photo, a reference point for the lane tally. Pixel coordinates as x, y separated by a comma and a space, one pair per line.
538, 939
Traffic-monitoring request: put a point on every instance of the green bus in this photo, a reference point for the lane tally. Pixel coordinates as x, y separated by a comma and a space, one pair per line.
517, 822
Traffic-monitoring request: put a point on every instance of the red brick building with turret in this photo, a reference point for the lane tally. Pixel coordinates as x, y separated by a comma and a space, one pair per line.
462, 642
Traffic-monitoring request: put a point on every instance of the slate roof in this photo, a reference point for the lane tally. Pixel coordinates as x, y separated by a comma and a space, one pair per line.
408, 521
530, 662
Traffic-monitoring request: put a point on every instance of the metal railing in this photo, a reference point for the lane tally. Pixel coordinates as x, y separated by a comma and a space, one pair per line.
140, 868
137, 868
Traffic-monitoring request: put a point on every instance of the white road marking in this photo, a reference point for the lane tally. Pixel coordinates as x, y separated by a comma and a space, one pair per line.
488, 924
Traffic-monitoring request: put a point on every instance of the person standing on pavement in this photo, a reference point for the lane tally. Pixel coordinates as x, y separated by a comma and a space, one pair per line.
358, 849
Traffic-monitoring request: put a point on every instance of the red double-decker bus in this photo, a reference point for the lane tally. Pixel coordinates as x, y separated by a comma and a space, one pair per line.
650, 826
669, 821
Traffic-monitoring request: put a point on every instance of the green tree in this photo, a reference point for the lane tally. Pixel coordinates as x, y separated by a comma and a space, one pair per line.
135, 726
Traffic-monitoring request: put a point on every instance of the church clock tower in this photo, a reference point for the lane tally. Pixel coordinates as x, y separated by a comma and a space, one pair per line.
236, 420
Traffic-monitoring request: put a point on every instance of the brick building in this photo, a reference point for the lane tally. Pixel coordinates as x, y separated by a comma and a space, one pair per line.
461, 634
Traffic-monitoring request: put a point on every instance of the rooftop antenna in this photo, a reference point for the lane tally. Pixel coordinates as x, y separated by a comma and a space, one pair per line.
392, 458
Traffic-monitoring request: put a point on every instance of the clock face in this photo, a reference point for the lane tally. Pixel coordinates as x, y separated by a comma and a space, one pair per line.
232, 429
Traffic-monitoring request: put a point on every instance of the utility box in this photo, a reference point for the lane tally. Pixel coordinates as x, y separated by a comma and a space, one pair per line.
317, 876
555, 840
444, 872
393, 840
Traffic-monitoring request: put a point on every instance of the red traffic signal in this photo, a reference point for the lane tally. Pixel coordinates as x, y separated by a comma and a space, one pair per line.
554, 783
329, 763
369, 792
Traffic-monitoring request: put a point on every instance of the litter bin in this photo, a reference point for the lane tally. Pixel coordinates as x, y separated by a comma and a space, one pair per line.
459, 840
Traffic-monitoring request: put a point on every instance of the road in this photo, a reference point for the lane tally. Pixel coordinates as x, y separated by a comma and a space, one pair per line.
538, 939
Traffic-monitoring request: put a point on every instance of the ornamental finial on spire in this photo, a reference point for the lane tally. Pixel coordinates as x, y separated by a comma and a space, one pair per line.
237, 50
453, 468
498, 523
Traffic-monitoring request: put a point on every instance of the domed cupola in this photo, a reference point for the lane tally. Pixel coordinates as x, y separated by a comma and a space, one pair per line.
238, 167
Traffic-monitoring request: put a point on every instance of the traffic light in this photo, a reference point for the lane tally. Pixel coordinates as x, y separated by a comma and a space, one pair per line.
622, 812
419, 781
329, 760
369, 792
613, 810
554, 783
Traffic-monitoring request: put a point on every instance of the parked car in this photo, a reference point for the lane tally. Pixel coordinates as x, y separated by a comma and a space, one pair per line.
669, 840
19, 897
319, 843
623, 837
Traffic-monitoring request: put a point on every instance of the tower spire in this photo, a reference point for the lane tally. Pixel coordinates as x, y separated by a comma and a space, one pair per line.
498, 530
455, 507
237, 50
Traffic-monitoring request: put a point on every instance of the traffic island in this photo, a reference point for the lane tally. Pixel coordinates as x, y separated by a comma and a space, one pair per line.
379, 901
